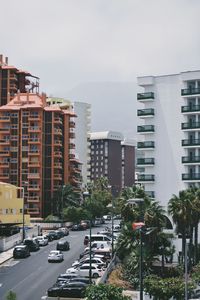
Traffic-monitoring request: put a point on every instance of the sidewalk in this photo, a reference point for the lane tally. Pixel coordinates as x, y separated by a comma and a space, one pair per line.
6, 255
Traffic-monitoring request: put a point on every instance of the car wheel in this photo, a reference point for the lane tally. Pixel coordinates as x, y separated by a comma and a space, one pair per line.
95, 275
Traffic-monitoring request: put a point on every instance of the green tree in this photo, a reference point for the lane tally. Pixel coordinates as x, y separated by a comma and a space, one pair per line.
74, 214
179, 207
105, 292
11, 296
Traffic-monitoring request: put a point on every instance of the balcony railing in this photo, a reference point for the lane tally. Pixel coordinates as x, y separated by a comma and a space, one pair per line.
145, 112
190, 125
190, 108
192, 176
151, 194
145, 161
145, 96
191, 91
191, 142
145, 145
192, 159
145, 128
146, 177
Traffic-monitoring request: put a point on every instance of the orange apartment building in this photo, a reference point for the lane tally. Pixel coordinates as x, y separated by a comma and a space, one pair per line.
37, 150
13, 80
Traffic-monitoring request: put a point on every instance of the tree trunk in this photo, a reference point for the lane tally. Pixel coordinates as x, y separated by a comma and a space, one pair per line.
183, 246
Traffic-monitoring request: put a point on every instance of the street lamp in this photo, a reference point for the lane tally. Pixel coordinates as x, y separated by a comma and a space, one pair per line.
186, 270
87, 194
110, 205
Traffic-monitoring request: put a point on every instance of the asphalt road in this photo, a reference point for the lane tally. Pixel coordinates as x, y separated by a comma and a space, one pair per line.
30, 278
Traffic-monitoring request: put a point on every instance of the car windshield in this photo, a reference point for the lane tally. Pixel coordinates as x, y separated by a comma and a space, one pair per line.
54, 252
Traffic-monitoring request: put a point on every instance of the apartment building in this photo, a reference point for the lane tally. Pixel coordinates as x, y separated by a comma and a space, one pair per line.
13, 79
169, 122
37, 150
113, 158
82, 129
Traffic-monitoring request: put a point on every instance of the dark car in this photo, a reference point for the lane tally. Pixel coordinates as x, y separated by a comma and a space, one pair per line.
54, 235
63, 245
77, 227
68, 290
21, 251
32, 244
66, 277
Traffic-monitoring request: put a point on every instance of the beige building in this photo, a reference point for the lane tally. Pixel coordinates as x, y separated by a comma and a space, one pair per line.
11, 206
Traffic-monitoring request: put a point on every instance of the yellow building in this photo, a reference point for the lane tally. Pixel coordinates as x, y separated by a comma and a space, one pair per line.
11, 207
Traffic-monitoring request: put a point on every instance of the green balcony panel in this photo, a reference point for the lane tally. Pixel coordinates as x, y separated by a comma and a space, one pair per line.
190, 108
191, 159
145, 161
190, 125
146, 145
145, 112
192, 176
146, 177
191, 142
145, 128
192, 91
144, 96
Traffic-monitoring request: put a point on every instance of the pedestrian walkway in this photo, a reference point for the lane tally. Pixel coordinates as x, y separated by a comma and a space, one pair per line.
6, 255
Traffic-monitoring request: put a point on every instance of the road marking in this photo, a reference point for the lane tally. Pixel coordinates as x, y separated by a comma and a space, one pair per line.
10, 263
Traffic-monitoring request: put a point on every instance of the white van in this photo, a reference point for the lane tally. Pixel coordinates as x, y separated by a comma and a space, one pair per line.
96, 238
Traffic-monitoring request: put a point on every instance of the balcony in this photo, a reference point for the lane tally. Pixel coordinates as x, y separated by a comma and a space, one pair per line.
145, 96
191, 142
57, 176
151, 194
146, 145
71, 146
13, 77
191, 177
190, 92
34, 129
146, 177
13, 86
4, 176
58, 120
34, 141
58, 154
190, 108
34, 152
33, 164
145, 129
57, 131
5, 130
4, 164
4, 153
148, 112
57, 165
71, 156
192, 159
33, 211
33, 175
33, 187
34, 118
4, 119
57, 143
145, 161
72, 124
35, 199
4, 142
72, 135
190, 125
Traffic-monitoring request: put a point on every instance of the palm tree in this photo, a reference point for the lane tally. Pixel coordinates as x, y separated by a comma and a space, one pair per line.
179, 207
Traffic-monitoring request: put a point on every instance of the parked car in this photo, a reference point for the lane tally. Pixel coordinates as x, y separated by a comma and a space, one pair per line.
66, 277
77, 227
42, 240
48, 236
65, 230
32, 244
97, 237
59, 234
83, 270
21, 251
107, 217
63, 245
68, 290
94, 260
54, 235
55, 256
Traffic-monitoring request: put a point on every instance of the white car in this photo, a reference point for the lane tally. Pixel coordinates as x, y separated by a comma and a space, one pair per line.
55, 256
42, 240
83, 270
94, 260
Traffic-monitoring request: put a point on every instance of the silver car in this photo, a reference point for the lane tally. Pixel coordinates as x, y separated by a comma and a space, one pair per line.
55, 256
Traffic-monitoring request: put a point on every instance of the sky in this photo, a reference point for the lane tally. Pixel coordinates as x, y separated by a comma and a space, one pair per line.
93, 50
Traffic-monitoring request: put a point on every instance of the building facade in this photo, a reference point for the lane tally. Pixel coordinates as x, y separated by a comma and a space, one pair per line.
11, 205
112, 158
13, 80
82, 130
37, 150
169, 121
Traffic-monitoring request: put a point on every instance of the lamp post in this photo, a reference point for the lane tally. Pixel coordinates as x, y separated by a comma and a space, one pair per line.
61, 213
186, 270
110, 205
87, 194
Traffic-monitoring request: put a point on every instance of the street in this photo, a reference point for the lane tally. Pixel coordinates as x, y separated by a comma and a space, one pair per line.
31, 277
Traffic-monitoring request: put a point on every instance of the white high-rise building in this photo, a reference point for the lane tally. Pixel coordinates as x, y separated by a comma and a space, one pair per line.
82, 130
169, 122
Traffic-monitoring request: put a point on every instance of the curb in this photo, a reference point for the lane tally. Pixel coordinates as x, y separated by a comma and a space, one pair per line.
1, 263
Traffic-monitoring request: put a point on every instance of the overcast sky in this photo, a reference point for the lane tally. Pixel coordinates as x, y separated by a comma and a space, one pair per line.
89, 43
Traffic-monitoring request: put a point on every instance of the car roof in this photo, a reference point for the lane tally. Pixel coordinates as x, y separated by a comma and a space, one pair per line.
20, 246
